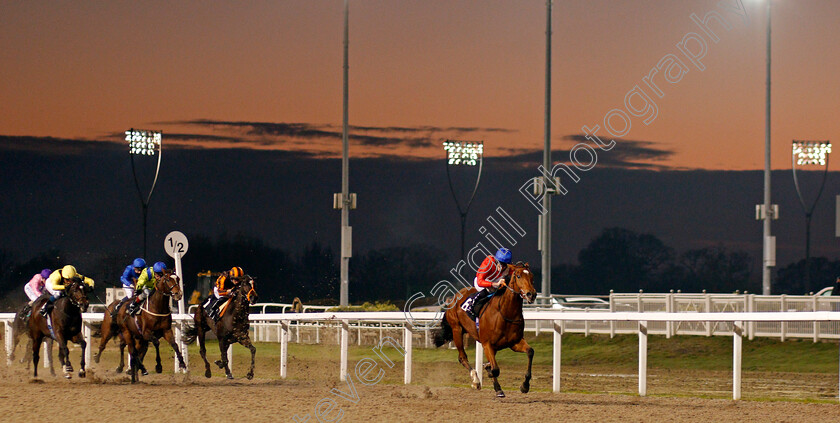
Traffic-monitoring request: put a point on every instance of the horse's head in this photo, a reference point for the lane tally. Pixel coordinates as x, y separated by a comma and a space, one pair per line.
76, 292
522, 281
247, 289
167, 284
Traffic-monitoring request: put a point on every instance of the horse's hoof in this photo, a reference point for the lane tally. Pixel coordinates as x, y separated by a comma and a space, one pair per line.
525, 388
220, 364
119, 369
230, 376
207, 373
96, 359
158, 369
476, 386
500, 394
144, 372
68, 376
249, 376
82, 373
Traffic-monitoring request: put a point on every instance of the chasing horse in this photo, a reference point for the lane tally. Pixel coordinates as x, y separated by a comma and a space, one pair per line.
499, 324
151, 318
60, 317
231, 326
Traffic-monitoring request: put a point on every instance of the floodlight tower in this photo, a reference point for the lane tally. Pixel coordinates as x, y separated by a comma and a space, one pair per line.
809, 153
144, 143
463, 153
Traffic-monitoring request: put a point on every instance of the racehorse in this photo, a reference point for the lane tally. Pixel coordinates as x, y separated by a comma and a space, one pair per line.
20, 326
501, 325
110, 330
66, 319
232, 327
153, 319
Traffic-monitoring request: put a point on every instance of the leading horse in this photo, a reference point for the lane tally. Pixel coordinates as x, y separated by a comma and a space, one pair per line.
501, 325
231, 328
64, 323
154, 319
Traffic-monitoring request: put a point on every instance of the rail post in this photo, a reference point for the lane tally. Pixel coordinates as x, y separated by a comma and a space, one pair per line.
751, 308
344, 328
555, 362
816, 323
409, 350
708, 310
8, 339
284, 347
643, 332
479, 361
737, 341
783, 301
86, 333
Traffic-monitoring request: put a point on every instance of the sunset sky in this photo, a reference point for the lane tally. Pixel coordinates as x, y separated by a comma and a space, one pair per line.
267, 75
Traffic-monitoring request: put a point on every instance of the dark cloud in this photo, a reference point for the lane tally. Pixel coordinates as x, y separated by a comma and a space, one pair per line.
56, 146
627, 154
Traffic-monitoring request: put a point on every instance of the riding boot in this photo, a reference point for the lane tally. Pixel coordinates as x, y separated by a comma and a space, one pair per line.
46, 308
480, 299
117, 308
133, 307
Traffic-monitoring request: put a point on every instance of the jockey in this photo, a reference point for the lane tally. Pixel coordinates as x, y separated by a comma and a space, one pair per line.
129, 281
224, 285
35, 287
55, 285
490, 276
145, 284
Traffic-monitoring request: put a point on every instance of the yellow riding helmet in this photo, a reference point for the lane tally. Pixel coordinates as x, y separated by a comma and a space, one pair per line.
236, 272
68, 272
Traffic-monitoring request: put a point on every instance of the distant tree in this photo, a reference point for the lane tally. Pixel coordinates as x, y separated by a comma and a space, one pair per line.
715, 269
396, 273
317, 274
624, 261
791, 278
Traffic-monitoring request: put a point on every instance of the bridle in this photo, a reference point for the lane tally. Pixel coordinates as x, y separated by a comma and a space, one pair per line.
169, 283
78, 286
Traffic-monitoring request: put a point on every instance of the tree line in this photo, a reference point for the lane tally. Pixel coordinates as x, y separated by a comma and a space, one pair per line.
617, 259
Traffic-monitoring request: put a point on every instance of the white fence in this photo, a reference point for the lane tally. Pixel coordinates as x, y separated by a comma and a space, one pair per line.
555, 320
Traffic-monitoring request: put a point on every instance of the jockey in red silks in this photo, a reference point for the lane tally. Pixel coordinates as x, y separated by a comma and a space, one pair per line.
490, 276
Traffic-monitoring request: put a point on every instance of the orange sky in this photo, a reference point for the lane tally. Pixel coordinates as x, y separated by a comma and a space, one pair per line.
88, 70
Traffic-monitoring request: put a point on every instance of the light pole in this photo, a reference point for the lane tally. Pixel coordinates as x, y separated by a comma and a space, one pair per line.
144, 143
345, 200
809, 153
769, 211
463, 153
545, 222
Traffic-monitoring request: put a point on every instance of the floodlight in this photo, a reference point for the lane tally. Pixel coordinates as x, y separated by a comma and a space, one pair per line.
143, 142
809, 153
467, 153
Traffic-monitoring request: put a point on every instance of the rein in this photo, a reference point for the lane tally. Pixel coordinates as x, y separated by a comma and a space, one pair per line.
510, 288
165, 294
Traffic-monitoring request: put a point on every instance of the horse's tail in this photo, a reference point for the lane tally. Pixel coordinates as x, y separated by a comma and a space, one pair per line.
444, 334
190, 333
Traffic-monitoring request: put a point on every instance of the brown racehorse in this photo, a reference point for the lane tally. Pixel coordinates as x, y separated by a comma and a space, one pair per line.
66, 318
231, 328
20, 327
111, 330
154, 316
501, 325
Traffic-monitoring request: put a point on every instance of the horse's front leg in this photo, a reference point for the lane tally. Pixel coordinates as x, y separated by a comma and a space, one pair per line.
224, 344
492, 368
523, 347
121, 366
64, 356
246, 342
169, 337
79, 339
36, 354
156, 343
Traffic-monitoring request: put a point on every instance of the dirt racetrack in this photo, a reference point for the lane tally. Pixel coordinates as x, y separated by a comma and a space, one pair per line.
167, 397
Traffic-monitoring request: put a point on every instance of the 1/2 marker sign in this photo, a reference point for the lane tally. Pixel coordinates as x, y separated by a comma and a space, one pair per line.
176, 242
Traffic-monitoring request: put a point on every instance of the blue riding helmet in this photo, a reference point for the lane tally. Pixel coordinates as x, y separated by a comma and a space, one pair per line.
138, 262
159, 267
46, 273
504, 255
